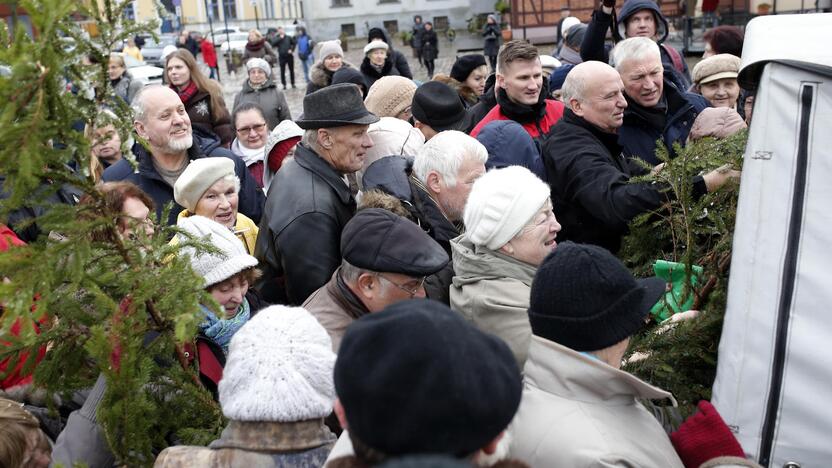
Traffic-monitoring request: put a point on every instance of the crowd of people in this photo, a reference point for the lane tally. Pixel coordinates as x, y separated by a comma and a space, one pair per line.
415, 274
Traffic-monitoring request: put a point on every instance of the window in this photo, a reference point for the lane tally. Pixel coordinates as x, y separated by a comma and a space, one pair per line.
129, 12
214, 9
348, 30
392, 27
229, 9
440, 23
341, 3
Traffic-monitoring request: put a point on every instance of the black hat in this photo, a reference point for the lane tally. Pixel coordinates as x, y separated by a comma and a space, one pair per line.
439, 106
335, 106
376, 33
465, 65
584, 298
417, 378
350, 75
378, 240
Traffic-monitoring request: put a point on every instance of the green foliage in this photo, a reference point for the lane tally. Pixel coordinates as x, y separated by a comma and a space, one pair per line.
119, 306
681, 358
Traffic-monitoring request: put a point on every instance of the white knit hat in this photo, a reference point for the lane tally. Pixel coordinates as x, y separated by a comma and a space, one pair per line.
328, 48
257, 62
501, 203
198, 177
279, 368
375, 45
216, 267
390, 95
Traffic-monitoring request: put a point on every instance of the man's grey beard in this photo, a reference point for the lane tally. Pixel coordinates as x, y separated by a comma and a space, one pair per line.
181, 144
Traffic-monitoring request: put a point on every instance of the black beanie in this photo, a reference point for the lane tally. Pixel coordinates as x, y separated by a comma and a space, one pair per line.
416, 378
584, 298
465, 65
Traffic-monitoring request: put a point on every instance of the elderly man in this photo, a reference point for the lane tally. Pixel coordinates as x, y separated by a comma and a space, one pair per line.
386, 260
309, 201
657, 110
521, 92
160, 118
591, 192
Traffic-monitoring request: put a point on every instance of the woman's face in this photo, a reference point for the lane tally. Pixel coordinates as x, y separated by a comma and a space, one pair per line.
219, 203
178, 73
537, 239
476, 80
135, 215
428, 26
256, 76
115, 70
723, 92
252, 37
252, 130
230, 294
333, 62
378, 56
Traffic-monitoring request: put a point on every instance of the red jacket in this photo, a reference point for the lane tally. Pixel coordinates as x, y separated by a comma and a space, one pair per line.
554, 111
208, 53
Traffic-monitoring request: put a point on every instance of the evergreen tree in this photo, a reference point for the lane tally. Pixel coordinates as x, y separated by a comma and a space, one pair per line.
124, 307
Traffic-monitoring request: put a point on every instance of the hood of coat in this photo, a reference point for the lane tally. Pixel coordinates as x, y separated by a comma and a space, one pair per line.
632, 6
368, 69
322, 77
473, 264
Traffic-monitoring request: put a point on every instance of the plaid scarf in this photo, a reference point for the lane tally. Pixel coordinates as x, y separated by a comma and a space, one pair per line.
186, 93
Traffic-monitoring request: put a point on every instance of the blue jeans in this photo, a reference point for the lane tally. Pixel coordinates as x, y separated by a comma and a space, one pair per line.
307, 64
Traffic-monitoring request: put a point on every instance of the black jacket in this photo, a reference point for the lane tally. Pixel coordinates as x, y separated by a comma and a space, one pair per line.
371, 75
592, 196
430, 45
487, 102
398, 58
299, 244
149, 180
65, 194
284, 45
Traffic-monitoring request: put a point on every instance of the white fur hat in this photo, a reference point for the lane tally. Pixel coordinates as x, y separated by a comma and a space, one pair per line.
216, 268
198, 177
373, 45
501, 203
279, 368
257, 62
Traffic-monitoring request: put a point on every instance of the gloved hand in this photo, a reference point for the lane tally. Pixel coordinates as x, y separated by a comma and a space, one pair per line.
704, 436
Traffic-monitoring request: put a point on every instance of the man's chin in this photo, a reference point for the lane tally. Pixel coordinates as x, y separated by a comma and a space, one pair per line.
181, 144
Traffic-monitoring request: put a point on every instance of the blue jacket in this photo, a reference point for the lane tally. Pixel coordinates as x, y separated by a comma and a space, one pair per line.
638, 137
509, 144
251, 199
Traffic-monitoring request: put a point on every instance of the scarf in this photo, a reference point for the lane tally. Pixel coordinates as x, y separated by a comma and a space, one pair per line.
523, 113
255, 46
186, 93
221, 330
569, 56
248, 155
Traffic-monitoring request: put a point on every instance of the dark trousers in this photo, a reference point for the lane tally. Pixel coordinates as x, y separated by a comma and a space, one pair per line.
429, 65
287, 60
493, 60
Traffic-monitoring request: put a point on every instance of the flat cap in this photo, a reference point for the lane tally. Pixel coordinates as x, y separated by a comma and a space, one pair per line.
716, 67
378, 240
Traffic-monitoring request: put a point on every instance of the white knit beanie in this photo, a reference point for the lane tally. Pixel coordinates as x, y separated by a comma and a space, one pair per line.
257, 62
390, 95
328, 48
501, 203
375, 45
215, 267
279, 368
198, 177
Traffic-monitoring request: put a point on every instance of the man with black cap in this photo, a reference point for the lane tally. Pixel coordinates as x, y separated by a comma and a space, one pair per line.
579, 408
417, 379
436, 108
385, 260
309, 201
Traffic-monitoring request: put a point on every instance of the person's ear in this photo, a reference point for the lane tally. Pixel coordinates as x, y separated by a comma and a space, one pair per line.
138, 125
340, 414
507, 248
576, 107
324, 138
366, 284
501, 81
491, 447
434, 182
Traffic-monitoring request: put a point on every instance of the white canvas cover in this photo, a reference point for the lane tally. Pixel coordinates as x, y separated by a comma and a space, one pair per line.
774, 375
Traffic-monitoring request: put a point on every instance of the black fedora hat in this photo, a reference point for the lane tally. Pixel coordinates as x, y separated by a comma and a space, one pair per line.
437, 105
335, 106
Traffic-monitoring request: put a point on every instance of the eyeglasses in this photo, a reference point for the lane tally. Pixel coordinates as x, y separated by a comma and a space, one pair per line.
247, 130
410, 290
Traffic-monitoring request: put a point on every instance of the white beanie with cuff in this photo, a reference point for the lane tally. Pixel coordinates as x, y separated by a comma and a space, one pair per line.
215, 267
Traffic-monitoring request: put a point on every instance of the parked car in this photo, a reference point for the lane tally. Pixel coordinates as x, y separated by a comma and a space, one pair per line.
152, 50
143, 72
238, 43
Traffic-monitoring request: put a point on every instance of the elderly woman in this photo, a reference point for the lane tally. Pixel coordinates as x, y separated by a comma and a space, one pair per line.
123, 83
377, 63
508, 233
208, 187
723, 40
252, 132
202, 96
259, 89
258, 47
330, 60
715, 78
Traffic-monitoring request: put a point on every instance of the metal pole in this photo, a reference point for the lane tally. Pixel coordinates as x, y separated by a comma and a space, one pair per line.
256, 17
228, 61
211, 29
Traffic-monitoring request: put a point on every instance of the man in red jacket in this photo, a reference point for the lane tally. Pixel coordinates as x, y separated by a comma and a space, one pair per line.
209, 55
521, 92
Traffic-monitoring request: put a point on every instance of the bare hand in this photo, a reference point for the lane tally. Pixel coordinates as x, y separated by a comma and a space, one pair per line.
718, 177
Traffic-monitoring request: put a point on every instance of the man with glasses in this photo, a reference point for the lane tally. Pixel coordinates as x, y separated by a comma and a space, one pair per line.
385, 260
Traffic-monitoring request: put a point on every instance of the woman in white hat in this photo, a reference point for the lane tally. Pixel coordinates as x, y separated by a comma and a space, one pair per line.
330, 60
508, 233
377, 63
209, 187
259, 89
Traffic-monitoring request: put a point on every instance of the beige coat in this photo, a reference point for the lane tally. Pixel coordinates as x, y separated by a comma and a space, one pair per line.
577, 411
334, 310
491, 290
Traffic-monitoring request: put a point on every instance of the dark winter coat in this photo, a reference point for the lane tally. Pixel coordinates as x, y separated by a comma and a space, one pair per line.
638, 136
66, 194
126, 87
299, 244
149, 180
594, 47
371, 75
492, 34
537, 119
398, 58
202, 115
269, 98
320, 77
284, 45
260, 49
416, 39
592, 196
430, 45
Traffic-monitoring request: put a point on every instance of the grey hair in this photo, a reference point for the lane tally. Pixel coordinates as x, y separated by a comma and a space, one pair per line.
573, 88
232, 178
444, 154
350, 272
139, 110
310, 138
634, 48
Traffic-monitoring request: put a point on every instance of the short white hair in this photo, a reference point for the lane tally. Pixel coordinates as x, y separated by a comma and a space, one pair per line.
138, 104
573, 87
634, 48
444, 154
